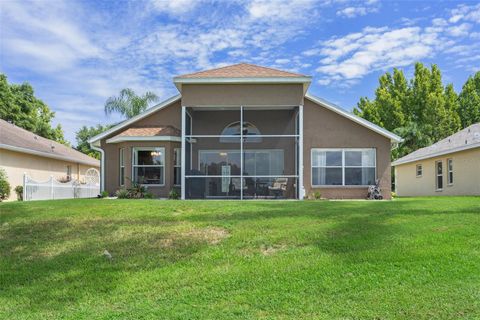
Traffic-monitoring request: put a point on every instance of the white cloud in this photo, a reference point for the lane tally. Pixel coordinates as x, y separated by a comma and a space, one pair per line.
459, 30
355, 55
279, 9
352, 12
175, 7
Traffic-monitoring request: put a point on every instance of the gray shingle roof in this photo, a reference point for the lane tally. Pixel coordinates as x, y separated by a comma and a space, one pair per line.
467, 138
21, 140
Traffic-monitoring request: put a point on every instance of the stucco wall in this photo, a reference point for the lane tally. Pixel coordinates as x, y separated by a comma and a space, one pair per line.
326, 129
39, 168
242, 94
466, 176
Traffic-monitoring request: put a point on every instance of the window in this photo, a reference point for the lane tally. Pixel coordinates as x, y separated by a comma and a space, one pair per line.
343, 167
233, 129
149, 166
121, 160
69, 173
177, 160
450, 171
439, 175
419, 170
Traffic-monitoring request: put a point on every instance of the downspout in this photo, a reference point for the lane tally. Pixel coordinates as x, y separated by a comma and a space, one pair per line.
102, 166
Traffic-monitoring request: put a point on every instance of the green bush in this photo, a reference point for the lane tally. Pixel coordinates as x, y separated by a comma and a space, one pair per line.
148, 195
317, 195
19, 192
122, 194
4, 185
173, 194
104, 194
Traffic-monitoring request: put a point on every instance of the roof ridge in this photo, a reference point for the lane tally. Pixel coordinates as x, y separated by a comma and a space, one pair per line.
241, 64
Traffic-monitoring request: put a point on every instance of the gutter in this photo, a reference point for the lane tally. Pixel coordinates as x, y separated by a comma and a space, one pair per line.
47, 155
437, 154
102, 166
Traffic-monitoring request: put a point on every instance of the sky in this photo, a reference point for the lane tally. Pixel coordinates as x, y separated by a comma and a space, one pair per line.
76, 54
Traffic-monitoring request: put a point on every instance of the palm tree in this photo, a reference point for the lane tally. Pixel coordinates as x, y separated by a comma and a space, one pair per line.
128, 103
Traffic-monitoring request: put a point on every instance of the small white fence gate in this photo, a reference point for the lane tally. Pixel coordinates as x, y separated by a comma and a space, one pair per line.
54, 189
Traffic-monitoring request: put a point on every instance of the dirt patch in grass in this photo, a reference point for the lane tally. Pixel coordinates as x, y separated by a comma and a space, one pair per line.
212, 235
271, 250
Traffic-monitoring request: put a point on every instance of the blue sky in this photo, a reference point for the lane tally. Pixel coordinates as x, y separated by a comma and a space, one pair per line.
78, 53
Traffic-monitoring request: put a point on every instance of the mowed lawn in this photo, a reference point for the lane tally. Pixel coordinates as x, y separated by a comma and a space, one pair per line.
402, 259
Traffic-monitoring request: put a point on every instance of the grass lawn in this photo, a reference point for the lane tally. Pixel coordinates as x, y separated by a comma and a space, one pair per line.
403, 259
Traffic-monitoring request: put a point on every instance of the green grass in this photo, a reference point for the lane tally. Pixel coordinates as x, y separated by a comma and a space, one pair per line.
402, 259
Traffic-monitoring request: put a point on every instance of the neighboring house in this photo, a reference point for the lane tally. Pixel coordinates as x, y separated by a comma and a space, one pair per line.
448, 167
22, 151
244, 132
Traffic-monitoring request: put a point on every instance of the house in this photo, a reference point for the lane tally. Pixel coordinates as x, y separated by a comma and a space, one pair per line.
22, 151
449, 167
246, 132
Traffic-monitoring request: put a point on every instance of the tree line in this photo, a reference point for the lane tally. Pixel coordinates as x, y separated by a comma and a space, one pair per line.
421, 110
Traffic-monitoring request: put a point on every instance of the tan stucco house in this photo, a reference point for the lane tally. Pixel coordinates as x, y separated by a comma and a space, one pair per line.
23, 152
246, 132
448, 167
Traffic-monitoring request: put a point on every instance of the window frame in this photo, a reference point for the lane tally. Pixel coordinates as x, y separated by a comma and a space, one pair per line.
175, 165
438, 175
343, 166
421, 170
69, 172
450, 172
134, 159
121, 167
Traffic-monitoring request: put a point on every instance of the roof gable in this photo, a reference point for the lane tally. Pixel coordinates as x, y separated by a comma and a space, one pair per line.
324, 103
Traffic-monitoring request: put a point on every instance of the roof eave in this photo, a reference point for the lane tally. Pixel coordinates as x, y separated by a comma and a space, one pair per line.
92, 162
436, 154
305, 80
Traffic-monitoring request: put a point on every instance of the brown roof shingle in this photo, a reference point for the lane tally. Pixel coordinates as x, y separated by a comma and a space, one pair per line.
16, 137
147, 131
242, 70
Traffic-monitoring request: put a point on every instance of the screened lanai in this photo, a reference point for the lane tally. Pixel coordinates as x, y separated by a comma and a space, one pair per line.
241, 152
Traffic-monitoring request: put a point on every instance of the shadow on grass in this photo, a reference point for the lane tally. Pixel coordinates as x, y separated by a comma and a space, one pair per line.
56, 262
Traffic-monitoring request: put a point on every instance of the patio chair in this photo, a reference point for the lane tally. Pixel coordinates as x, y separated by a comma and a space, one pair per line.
278, 187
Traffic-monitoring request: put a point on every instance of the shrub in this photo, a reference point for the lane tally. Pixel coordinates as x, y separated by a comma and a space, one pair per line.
4, 185
104, 194
394, 195
122, 194
173, 194
317, 195
148, 195
19, 192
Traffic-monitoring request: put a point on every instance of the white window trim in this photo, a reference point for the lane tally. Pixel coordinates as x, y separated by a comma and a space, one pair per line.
421, 170
135, 149
121, 165
179, 165
437, 175
449, 183
343, 185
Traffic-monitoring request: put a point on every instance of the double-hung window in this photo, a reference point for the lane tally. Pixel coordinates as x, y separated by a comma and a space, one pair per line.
121, 164
177, 173
450, 171
439, 175
419, 170
149, 166
343, 167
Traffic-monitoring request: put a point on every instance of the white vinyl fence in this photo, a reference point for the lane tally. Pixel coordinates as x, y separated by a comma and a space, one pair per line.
54, 189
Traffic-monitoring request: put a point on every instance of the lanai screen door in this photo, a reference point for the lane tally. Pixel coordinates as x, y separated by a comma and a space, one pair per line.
244, 152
